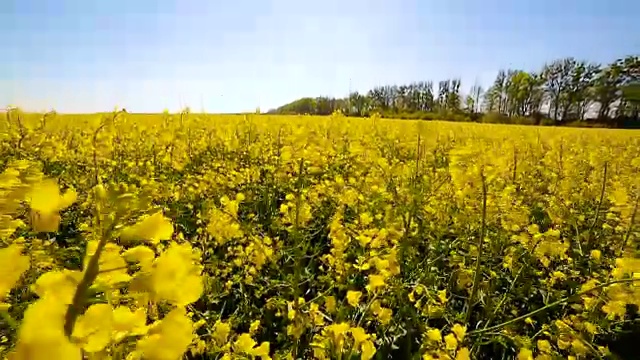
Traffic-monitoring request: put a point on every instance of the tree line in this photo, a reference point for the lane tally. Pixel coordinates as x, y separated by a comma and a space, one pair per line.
564, 91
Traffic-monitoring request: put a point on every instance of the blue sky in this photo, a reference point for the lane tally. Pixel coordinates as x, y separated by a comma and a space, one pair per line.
229, 56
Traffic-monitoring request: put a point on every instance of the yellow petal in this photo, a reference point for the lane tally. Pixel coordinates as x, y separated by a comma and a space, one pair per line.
127, 322
69, 197
12, 265
93, 328
152, 228
45, 197
58, 285
41, 335
169, 339
140, 254
262, 351
463, 354
45, 222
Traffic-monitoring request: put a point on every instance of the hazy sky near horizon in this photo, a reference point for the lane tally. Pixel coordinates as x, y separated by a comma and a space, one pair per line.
146, 56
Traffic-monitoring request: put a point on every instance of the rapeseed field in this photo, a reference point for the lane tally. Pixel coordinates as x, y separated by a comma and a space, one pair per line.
165, 236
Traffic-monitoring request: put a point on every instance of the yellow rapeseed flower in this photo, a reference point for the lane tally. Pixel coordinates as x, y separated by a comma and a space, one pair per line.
12, 265
255, 325
153, 228
375, 282
58, 285
94, 328
128, 323
544, 346
434, 335
244, 344
261, 351
384, 315
353, 297
112, 266
367, 350
359, 335
330, 303
140, 254
41, 335
463, 354
442, 296
451, 342
221, 331
168, 339
525, 354
175, 278
46, 203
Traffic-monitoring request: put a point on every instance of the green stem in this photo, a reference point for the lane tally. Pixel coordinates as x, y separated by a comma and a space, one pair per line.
504, 298
13, 324
513, 283
298, 254
602, 190
495, 327
631, 221
91, 272
364, 313
515, 164
79, 298
476, 278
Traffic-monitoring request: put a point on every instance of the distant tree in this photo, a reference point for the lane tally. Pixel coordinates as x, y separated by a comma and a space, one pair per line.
557, 76
470, 104
631, 96
444, 87
578, 79
358, 104
606, 89
630, 80
567, 89
476, 93
517, 92
453, 99
495, 95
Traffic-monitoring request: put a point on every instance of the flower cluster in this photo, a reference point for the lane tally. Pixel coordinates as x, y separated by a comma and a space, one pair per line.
132, 236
